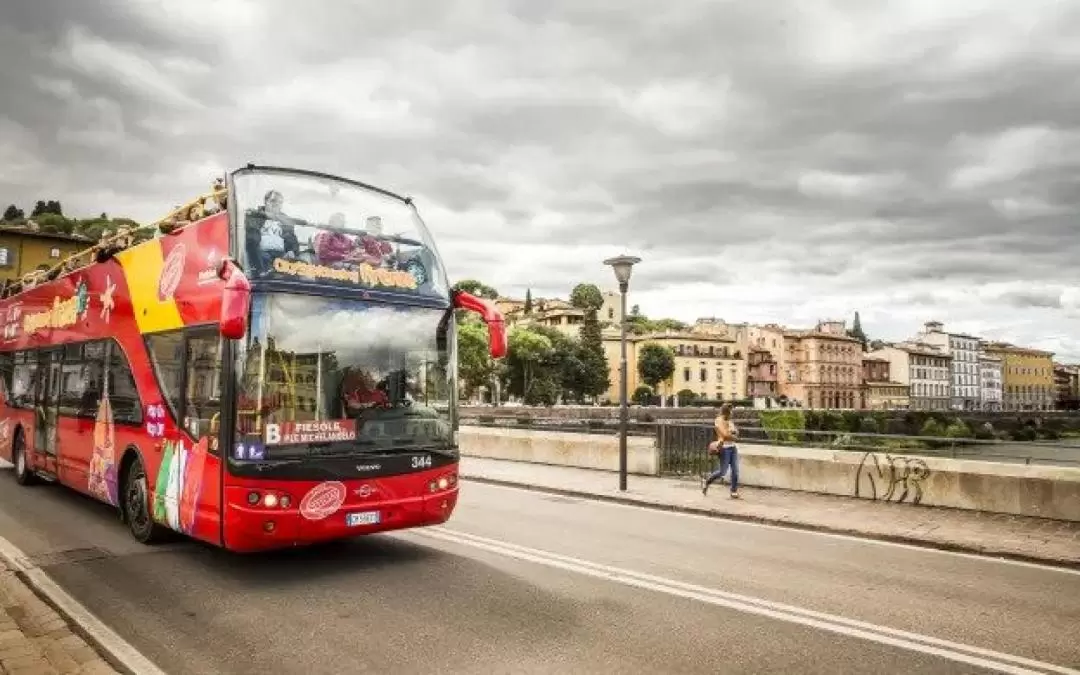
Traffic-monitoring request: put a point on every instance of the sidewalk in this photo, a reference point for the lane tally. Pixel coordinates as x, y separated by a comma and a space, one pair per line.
35, 640
1017, 537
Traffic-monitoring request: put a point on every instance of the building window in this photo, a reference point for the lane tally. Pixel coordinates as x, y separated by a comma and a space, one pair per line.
4, 257
54, 252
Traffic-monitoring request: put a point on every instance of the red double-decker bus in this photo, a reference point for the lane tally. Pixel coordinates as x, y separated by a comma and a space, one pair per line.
276, 368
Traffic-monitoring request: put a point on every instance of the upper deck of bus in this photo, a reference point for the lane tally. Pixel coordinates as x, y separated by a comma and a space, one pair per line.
288, 229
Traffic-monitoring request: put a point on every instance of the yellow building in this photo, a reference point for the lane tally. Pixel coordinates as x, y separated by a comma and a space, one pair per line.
711, 366
25, 249
1027, 376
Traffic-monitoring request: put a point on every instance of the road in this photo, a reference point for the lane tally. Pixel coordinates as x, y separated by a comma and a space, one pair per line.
528, 583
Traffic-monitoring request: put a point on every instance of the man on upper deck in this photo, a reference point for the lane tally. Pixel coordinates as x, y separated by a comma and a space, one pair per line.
270, 234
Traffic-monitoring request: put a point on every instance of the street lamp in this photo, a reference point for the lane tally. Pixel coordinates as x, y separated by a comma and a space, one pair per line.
623, 265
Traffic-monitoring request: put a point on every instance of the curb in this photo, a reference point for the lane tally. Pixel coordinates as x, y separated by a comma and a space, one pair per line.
949, 547
113, 649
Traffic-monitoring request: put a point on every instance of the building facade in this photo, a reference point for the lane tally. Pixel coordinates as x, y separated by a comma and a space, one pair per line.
822, 368
709, 366
1027, 376
880, 391
25, 249
924, 369
763, 375
965, 374
990, 380
1066, 384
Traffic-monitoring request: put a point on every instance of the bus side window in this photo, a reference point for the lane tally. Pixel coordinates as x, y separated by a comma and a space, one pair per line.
202, 400
24, 379
7, 367
167, 356
123, 395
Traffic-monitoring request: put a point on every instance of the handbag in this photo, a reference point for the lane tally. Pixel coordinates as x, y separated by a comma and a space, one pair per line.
714, 448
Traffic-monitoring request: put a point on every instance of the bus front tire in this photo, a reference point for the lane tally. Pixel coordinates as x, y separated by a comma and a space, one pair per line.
24, 475
137, 505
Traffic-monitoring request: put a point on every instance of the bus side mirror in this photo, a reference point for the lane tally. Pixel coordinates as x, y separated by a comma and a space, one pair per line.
235, 300
491, 316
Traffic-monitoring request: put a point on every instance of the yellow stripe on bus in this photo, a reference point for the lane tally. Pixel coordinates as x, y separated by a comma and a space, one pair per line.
142, 268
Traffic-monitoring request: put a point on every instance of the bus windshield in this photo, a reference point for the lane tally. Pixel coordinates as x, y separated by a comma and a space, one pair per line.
329, 376
311, 229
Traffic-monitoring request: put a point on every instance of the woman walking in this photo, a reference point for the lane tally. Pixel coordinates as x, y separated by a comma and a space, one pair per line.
726, 433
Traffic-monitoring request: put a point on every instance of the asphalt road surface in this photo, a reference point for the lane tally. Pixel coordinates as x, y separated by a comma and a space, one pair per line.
520, 582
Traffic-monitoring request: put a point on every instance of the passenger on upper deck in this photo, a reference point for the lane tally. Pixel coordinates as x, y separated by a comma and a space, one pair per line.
333, 247
270, 234
375, 249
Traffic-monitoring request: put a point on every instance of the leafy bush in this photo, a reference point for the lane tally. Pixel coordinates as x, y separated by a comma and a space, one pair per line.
783, 425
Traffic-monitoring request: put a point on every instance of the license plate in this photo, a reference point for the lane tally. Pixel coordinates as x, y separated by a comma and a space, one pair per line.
362, 518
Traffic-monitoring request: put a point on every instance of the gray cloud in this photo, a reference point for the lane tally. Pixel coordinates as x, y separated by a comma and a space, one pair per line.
762, 158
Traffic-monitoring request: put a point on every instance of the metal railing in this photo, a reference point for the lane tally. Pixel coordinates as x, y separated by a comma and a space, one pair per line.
683, 447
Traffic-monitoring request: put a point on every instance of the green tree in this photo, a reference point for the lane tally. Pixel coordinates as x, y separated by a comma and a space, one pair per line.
50, 222
642, 395
475, 365
655, 364
528, 301
529, 373
595, 377
587, 297
564, 366
13, 212
42, 207
477, 288
856, 331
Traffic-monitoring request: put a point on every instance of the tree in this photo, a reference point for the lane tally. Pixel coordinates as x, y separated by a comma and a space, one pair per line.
475, 365
587, 297
477, 288
528, 301
564, 366
856, 331
42, 207
595, 376
528, 372
655, 364
13, 213
642, 395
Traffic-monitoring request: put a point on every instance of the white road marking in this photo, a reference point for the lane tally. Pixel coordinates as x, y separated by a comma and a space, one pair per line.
988, 558
975, 656
117, 647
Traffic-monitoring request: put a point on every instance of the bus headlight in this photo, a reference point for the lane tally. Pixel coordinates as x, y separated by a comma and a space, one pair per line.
270, 500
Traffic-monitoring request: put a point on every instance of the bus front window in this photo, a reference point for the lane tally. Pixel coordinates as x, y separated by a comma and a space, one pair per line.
329, 377
319, 230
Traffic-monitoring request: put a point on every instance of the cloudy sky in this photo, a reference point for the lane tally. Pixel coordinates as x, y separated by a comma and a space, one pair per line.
770, 161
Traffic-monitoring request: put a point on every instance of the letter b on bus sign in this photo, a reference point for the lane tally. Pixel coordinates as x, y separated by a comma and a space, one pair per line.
273, 434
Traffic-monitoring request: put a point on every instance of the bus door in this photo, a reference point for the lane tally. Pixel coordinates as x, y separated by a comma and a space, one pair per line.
46, 411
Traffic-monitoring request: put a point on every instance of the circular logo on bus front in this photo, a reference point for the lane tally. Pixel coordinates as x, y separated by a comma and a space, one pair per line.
171, 273
323, 500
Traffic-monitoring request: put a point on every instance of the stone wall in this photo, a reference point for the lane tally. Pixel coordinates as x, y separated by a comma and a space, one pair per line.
1039, 491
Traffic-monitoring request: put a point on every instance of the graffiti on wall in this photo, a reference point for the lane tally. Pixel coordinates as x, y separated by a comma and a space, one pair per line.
891, 478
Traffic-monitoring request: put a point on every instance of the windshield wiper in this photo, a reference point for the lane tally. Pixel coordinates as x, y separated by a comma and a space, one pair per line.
437, 448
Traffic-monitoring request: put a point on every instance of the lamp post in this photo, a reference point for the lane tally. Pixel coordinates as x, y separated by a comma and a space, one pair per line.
623, 265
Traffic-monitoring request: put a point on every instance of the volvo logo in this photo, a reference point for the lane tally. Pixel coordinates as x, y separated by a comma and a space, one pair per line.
364, 491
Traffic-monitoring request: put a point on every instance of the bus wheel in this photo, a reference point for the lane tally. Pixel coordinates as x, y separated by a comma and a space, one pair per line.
137, 505
23, 474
